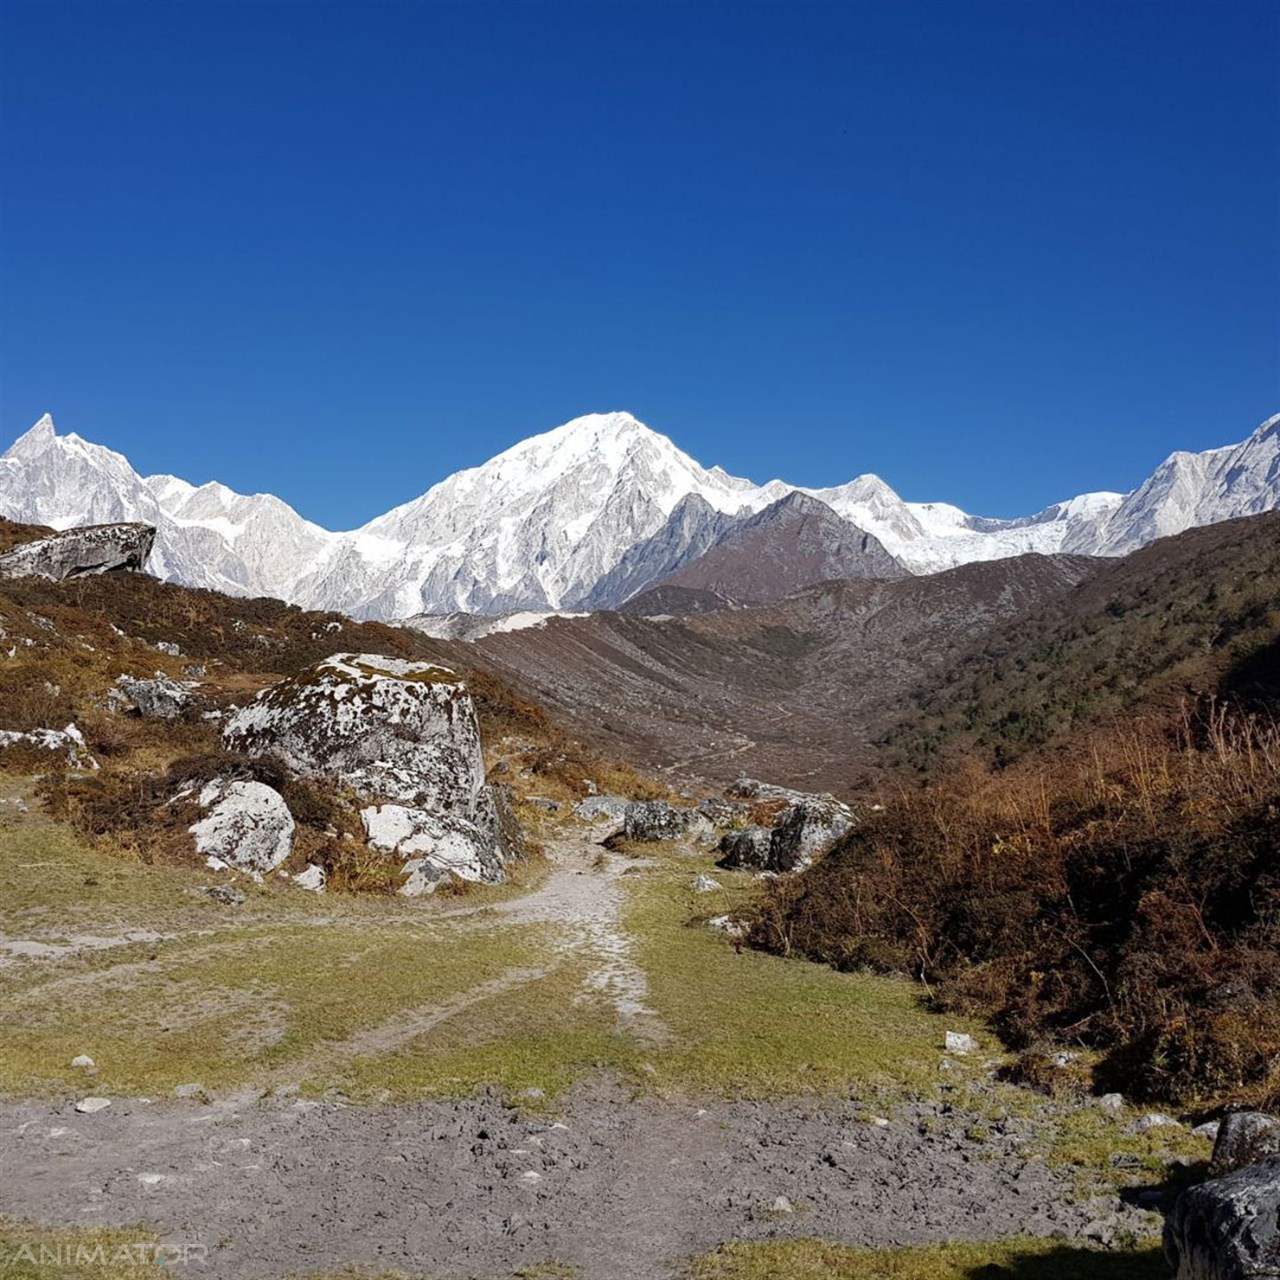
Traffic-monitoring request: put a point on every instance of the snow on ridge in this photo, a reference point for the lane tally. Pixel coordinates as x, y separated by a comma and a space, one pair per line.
529, 533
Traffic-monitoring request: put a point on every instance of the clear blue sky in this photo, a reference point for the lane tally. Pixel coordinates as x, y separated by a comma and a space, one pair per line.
996, 253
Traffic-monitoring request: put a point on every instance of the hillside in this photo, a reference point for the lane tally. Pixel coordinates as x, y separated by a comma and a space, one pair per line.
796, 691
1171, 621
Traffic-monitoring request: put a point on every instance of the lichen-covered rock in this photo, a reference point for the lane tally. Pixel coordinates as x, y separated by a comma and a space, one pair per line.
96, 548
404, 732
1244, 1138
806, 830
160, 698
593, 807
1228, 1228
434, 845
404, 736
246, 824
67, 744
747, 849
647, 820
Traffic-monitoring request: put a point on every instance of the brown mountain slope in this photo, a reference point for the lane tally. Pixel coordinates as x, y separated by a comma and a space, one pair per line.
795, 691
792, 544
1182, 617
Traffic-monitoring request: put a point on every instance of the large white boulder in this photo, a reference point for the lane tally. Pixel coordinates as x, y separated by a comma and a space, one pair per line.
95, 548
433, 846
405, 737
397, 731
246, 824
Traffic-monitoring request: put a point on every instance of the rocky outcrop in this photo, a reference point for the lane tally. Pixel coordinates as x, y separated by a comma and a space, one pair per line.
59, 744
397, 731
649, 820
160, 698
1244, 1138
404, 737
805, 830
247, 824
96, 548
1228, 1228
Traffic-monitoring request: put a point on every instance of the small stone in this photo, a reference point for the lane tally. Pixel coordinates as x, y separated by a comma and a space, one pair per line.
214, 863
1154, 1120
151, 1179
531, 1095
89, 1106
1207, 1130
188, 1090
313, 878
1111, 1101
705, 884
224, 893
879, 1122
531, 1176
728, 924
781, 1205
959, 1042
82, 1060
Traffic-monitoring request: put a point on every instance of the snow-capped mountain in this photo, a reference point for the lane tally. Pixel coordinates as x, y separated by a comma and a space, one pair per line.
586, 515
1191, 489
207, 536
533, 529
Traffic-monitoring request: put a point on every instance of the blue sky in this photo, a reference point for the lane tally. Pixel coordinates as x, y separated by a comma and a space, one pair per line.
996, 253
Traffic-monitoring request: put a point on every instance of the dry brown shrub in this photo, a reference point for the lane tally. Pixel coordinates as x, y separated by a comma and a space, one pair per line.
1124, 894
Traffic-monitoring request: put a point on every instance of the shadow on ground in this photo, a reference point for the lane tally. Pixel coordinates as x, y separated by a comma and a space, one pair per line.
1070, 1262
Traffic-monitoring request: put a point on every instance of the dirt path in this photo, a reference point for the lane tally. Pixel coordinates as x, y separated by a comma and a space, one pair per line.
624, 1188
583, 898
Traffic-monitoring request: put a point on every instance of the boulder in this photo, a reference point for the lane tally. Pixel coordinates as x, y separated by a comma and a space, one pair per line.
648, 820
434, 845
806, 830
246, 824
395, 731
1228, 1228
594, 808
68, 743
160, 698
747, 849
97, 548
1243, 1138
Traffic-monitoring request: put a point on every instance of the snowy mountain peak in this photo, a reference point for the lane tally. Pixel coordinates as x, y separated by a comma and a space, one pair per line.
583, 514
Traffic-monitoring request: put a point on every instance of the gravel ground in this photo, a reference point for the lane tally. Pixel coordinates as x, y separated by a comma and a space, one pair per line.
623, 1187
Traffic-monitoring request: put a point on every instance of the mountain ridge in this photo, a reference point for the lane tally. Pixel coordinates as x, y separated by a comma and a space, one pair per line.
577, 517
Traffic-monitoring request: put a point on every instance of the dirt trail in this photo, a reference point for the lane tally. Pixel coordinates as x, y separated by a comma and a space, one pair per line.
583, 897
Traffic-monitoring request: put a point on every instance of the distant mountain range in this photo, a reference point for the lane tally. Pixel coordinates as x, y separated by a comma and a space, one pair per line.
591, 515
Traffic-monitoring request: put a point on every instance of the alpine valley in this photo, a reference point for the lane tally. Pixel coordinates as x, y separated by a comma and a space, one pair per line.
596, 513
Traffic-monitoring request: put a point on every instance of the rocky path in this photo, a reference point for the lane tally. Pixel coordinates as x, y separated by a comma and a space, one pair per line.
624, 1188
583, 899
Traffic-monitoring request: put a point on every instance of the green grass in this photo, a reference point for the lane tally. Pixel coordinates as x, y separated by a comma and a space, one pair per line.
54, 1253
751, 1024
1020, 1259
29, 1252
